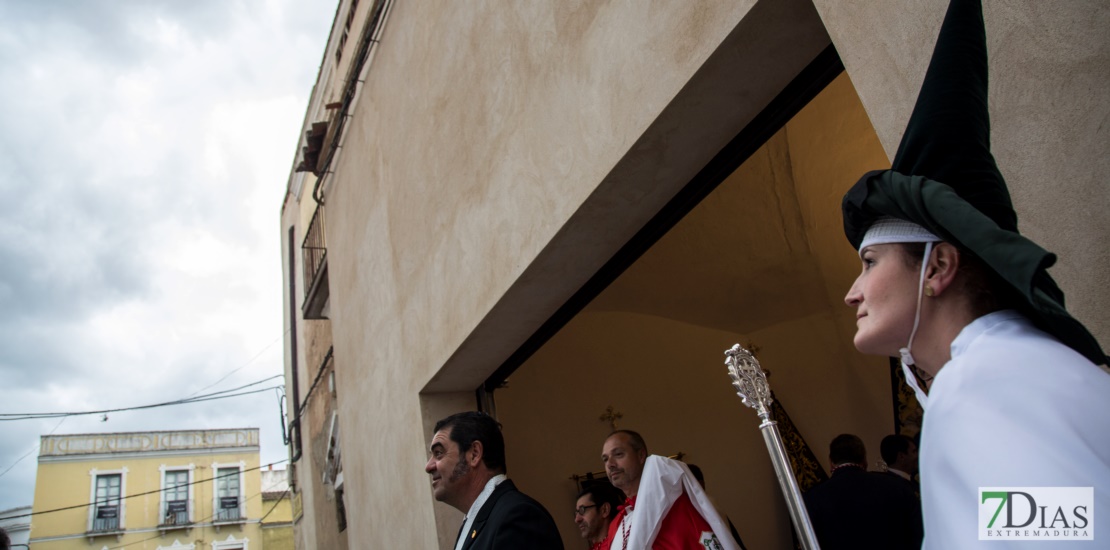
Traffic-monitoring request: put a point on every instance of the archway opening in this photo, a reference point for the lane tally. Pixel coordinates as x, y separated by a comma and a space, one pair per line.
760, 261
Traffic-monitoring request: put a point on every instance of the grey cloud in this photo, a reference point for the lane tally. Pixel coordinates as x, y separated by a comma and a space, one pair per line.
96, 184
110, 31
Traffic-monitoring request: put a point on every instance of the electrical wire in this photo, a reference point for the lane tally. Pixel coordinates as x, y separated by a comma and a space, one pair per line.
184, 402
33, 449
286, 432
274, 507
224, 394
252, 497
251, 360
319, 375
75, 506
281, 411
160, 535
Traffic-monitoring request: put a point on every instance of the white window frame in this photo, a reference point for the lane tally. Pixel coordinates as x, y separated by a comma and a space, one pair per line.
177, 546
231, 543
93, 475
216, 466
189, 506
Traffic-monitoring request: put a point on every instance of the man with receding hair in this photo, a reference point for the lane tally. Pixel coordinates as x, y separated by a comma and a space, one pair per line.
666, 508
467, 466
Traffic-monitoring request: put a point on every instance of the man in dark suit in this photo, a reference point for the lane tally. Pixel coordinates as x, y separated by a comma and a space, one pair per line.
900, 454
860, 510
468, 472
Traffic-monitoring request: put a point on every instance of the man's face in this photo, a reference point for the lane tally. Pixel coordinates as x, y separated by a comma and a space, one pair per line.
591, 524
623, 464
448, 468
908, 460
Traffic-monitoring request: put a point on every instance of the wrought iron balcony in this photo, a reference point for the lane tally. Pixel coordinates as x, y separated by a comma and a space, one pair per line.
228, 515
175, 514
314, 250
104, 525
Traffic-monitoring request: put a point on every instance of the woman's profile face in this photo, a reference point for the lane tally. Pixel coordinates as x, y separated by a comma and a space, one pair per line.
885, 297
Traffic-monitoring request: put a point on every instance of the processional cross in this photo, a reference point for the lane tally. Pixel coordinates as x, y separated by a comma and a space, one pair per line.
611, 416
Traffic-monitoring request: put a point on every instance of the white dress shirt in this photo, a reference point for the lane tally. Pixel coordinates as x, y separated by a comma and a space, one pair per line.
900, 473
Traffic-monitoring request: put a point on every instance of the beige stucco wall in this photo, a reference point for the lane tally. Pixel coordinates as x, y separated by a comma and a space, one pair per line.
313, 338
480, 131
501, 152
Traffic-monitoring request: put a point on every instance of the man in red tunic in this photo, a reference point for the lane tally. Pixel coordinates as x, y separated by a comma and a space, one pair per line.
659, 513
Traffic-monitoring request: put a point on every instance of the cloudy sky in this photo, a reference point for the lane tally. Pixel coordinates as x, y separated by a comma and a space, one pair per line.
145, 147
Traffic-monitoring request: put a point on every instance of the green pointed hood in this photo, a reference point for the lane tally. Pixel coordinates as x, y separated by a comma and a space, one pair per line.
945, 179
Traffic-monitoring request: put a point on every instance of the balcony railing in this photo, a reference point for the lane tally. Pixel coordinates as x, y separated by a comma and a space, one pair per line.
228, 514
314, 250
175, 514
105, 525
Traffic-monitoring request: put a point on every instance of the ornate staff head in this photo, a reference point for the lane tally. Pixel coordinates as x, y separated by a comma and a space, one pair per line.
749, 380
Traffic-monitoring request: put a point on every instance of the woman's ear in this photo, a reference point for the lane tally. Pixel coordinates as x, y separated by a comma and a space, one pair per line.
944, 262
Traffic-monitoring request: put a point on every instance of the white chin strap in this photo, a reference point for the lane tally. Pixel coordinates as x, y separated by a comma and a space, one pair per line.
907, 357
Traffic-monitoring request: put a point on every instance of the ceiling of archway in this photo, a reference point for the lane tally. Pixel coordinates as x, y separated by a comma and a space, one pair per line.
765, 246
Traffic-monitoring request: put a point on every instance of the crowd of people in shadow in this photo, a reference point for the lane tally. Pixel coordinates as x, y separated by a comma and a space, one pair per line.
651, 501
860, 509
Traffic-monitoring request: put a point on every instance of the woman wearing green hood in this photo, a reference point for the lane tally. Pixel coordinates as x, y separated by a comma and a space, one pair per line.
1009, 381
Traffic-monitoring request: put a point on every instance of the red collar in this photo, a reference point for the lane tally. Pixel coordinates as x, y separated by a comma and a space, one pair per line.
629, 504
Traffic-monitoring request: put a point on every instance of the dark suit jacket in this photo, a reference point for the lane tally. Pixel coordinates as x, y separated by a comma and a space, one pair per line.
860, 510
912, 485
511, 520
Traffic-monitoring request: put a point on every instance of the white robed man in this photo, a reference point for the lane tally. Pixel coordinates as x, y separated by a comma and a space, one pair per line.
666, 507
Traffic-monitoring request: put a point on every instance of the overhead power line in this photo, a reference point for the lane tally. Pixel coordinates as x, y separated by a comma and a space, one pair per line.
33, 449
125, 497
274, 507
200, 398
248, 499
244, 365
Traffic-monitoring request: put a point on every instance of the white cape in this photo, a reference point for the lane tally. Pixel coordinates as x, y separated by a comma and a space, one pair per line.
661, 484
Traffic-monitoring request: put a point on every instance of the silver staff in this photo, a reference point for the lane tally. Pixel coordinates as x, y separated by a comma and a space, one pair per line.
751, 385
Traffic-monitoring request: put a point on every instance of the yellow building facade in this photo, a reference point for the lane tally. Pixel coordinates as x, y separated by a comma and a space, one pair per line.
184, 490
277, 510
